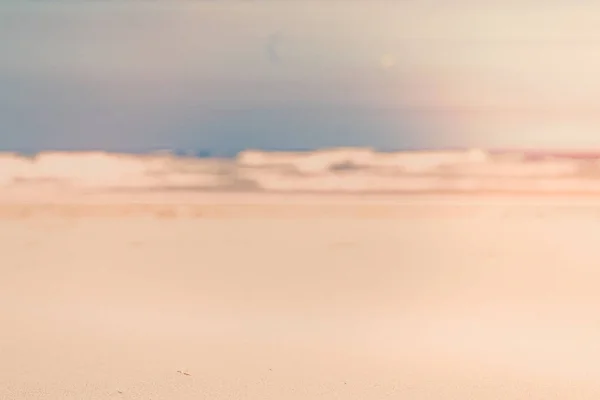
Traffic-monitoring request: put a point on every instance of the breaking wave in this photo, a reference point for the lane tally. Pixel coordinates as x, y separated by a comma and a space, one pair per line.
329, 170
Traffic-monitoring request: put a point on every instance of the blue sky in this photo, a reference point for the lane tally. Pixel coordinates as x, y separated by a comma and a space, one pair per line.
228, 75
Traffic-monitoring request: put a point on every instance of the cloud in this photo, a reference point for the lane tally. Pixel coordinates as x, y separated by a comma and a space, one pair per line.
272, 47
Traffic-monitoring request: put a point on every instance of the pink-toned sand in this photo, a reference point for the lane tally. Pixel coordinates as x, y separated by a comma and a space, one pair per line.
178, 296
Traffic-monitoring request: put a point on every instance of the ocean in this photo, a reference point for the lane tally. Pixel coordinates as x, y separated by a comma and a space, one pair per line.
333, 170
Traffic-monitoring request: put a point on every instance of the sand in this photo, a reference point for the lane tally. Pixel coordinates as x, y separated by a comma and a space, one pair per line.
178, 296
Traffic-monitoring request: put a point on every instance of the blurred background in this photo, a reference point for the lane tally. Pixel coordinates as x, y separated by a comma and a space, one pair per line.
222, 76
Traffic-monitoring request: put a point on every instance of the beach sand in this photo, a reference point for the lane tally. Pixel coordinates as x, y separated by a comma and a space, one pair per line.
232, 296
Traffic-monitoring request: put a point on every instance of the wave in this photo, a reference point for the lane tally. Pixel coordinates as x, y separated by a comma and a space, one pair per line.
327, 170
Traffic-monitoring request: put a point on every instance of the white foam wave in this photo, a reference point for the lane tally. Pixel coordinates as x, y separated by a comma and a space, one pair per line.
333, 170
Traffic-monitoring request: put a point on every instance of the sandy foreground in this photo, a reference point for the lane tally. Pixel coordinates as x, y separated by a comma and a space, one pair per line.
179, 296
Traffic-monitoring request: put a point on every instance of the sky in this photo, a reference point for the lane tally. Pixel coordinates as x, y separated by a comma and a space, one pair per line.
226, 75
